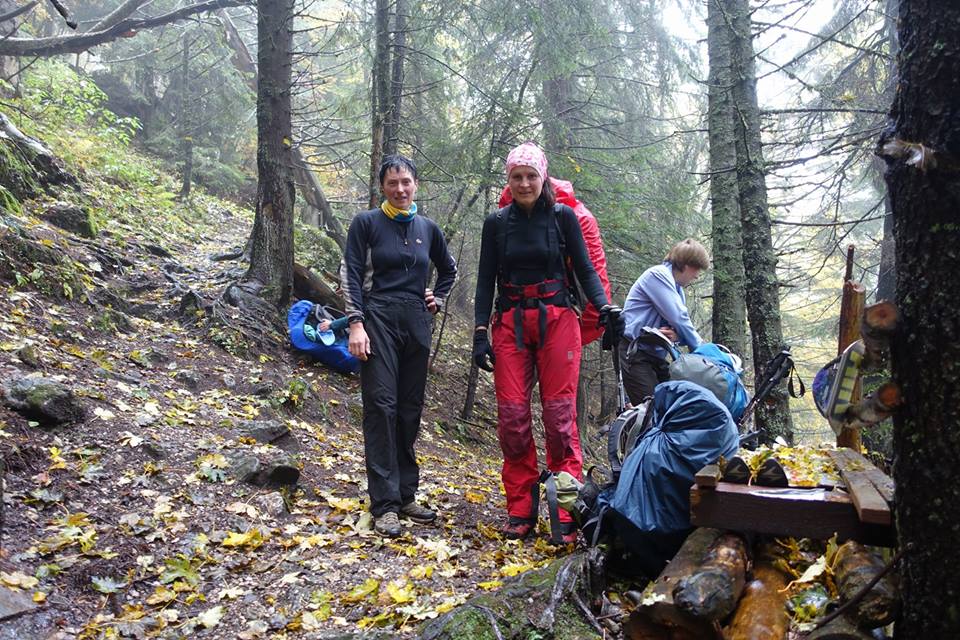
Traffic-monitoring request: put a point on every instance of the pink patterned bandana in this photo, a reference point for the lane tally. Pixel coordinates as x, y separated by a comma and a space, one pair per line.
527, 155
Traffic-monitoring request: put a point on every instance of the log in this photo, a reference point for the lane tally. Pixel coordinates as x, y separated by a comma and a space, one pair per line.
851, 312
658, 605
854, 567
762, 613
841, 628
712, 590
872, 507
877, 325
308, 286
876, 407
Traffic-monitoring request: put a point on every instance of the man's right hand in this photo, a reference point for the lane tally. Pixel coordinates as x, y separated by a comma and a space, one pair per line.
358, 343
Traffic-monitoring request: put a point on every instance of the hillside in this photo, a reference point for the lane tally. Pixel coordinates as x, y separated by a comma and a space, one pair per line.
131, 519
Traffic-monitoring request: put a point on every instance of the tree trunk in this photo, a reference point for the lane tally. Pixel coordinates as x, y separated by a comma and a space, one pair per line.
310, 187
379, 96
924, 184
759, 260
271, 258
887, 273
9, 65
391, 130
186, 137
729, 315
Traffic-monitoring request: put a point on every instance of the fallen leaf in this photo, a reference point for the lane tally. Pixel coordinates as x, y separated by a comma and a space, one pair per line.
251, 539
361, 591
18, 580
211, 617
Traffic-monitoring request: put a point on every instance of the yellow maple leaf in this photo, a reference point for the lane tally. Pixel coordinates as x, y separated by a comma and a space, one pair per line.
361, 591
475, 497
488, 586
401, 592
251, 539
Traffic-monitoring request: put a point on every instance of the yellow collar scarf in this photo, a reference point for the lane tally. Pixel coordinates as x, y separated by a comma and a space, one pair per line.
398, 214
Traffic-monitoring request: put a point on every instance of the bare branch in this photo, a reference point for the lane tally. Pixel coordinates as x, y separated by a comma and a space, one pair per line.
56, 45
62, 10
118, 14
19, 11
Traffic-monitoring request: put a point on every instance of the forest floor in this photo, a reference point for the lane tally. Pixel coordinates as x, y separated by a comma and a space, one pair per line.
132, 522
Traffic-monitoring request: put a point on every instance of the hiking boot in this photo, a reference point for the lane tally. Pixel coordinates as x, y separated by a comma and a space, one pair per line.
568, 533
387, 525
737, 471
418, 513
517, 528
772, 474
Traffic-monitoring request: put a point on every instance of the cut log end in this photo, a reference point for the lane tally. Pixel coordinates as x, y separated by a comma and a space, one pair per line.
881, 316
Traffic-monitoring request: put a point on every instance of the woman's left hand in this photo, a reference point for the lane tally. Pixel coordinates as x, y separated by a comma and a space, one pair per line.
431, 301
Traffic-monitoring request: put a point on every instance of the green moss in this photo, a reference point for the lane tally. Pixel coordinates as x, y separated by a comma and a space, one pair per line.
17, 175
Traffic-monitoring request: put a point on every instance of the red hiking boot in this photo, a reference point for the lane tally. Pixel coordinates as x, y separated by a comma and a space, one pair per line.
517, 528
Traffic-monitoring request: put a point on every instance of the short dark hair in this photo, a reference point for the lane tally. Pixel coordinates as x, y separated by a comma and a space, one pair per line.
397, 162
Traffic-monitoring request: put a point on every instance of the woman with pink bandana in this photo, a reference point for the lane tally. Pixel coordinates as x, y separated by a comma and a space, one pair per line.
524, 252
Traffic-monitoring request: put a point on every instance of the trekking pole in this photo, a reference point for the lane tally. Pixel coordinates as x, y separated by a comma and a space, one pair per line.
777, 369
621, 391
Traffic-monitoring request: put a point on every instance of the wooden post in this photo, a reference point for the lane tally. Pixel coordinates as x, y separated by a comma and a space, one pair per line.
851, 311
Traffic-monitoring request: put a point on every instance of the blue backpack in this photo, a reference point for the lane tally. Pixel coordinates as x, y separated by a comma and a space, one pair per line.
716, 369
649, 506
336, 355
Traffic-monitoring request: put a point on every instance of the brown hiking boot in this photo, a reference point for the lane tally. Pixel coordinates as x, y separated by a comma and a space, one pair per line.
387, 525
417, 513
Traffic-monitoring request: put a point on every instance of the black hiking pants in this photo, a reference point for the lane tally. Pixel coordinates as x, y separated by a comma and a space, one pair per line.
642, 372
392, 382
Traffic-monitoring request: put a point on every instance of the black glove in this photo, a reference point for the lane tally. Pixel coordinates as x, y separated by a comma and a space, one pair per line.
482, 351
611, 318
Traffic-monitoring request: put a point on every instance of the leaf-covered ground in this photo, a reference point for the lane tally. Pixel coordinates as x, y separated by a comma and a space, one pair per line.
132, 523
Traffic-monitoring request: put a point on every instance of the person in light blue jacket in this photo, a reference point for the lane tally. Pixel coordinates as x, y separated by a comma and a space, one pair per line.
656, 300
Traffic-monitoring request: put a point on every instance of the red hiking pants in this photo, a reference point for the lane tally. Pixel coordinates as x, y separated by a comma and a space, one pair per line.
556, 365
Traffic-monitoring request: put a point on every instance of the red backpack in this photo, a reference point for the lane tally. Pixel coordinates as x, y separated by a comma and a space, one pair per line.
589, 331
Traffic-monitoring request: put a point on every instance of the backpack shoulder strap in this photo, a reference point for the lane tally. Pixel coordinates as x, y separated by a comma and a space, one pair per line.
502, 224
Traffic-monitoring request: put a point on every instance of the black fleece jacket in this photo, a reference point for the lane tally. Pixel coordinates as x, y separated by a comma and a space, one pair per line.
392, 259
527, 255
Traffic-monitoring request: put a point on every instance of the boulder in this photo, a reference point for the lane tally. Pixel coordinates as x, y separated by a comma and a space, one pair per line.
274, 468
71, 217
42, 399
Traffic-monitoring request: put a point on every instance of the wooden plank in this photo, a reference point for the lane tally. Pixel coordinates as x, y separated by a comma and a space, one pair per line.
708, 477
871, 507
802, 513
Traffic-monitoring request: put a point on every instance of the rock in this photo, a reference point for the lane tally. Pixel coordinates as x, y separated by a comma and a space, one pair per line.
265, 431
271, 503
42, 399
71, 217
189, 379
157, 250
13, 603
28, 356
133, 378
229, 381
153, 448
273, 469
